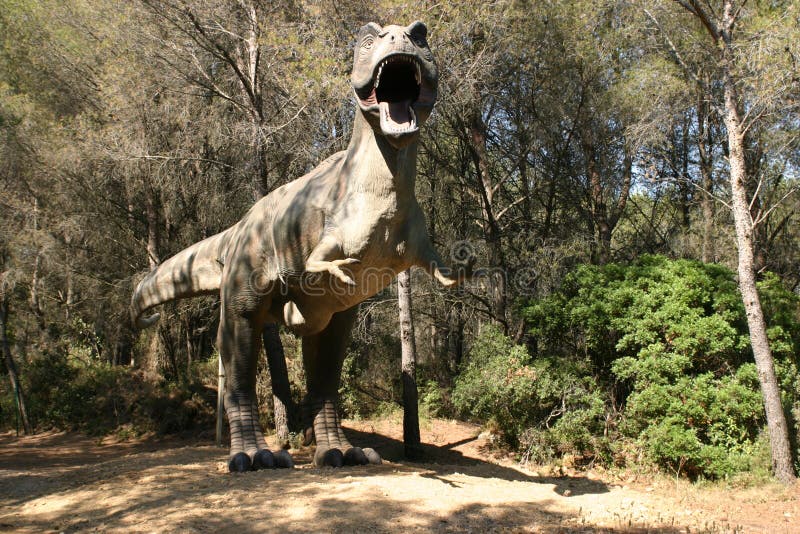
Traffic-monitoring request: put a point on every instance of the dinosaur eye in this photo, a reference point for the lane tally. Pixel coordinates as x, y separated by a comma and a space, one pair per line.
364, 51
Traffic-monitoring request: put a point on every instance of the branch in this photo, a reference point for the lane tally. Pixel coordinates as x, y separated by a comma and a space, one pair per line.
738, 10
627, 176
172, 158
761, 218
694, 7
677, 55
247, 84
500, 213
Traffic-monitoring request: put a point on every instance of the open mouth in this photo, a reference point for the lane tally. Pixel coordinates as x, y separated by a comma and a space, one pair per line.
395, 90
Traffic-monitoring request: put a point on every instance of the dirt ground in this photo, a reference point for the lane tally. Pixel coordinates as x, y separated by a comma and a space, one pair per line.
71, 483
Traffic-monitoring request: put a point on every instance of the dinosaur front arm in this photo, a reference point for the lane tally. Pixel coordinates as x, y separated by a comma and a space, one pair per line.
327, 257
429, 259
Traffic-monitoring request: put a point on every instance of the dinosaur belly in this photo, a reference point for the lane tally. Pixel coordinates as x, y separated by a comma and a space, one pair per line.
313, 300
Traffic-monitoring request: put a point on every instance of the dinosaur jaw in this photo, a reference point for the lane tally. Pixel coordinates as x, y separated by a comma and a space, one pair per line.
397, 118
397, 99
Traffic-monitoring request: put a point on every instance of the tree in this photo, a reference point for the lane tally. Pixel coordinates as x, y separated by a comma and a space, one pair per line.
279, 375
744, 103
411, 437
8, 358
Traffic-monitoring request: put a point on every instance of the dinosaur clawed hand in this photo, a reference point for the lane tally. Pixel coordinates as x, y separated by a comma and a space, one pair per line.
450, 277
334, 268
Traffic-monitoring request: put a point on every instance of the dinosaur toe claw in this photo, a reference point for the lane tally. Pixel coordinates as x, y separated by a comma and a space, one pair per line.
264, 459
239, 463
284, 460
329, 458
355, 456
373, 457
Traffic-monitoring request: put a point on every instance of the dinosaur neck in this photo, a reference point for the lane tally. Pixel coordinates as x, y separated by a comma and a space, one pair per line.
376, 166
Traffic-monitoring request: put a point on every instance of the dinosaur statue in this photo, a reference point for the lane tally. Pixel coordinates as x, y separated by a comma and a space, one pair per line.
310, 251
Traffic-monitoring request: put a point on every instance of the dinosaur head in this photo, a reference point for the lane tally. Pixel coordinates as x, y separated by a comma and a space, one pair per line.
395, 78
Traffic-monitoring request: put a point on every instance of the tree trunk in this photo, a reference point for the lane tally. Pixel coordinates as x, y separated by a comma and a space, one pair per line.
604, 212
13, 375
151, 214
411, 437
776, 421
35, 303
279, 375
497, 281
124, 346
602, 246
221, 385
189, 348
681, 164
704, 149
457, 333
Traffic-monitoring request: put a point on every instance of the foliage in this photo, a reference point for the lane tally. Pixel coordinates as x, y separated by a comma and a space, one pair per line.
669, 340
655, 352
501, 384
371, 382
66, 392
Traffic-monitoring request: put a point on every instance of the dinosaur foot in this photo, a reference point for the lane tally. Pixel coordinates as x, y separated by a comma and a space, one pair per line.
334, 457
261, 459
248, 447
333, 448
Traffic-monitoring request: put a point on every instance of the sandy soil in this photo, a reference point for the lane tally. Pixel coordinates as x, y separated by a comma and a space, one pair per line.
68, 482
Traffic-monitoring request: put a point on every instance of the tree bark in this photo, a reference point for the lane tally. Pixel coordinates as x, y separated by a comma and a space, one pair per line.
411, 437
279, 375
221, 385
705, 151
151, 214
602, 246
776, 420
13, 374
35, 303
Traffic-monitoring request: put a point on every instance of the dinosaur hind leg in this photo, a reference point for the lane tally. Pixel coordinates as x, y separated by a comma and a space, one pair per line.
239, 345
323, 355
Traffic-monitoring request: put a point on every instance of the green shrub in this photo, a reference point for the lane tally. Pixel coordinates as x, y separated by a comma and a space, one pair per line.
431, 399
500, 383
65, 392
666, 341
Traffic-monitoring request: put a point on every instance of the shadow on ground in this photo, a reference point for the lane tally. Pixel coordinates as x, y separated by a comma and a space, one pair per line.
68, 485
445, 459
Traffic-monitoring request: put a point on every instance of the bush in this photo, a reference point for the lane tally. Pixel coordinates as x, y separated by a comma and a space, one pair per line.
68, 393
500, 383
667, 340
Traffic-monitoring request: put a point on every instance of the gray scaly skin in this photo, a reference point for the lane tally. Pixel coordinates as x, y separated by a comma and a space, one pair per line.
309, 252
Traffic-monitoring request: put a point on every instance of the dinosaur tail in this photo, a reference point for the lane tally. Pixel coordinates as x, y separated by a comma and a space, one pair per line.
194, 271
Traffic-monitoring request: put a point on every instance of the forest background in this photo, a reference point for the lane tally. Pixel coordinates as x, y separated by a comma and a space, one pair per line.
591, 154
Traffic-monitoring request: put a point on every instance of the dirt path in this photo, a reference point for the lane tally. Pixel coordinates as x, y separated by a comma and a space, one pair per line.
67, 483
